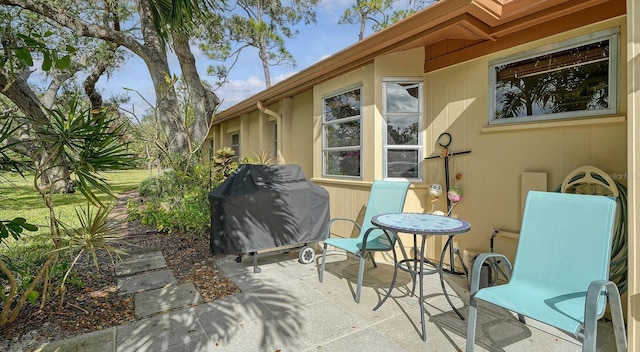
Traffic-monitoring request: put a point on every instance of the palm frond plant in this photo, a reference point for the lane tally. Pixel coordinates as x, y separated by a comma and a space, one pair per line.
96, 232
81, 142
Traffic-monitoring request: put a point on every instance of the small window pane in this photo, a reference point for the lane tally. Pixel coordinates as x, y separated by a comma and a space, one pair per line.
402, 163
342, 105
403, 97
402, 130
235, 145
343, 163
343, 134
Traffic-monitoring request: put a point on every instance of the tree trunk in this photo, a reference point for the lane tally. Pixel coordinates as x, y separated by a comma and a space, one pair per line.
204, 101
19, 92
152, 51
58, 179
265, 63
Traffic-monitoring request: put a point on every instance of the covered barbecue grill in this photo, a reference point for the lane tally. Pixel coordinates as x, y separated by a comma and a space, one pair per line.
267, 206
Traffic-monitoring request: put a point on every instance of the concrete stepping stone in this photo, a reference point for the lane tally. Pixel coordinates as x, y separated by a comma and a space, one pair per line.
167, 298
176, 331
145, 281
97, 341
139, 262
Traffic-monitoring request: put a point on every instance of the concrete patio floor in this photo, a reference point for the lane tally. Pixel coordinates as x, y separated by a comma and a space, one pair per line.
286, 308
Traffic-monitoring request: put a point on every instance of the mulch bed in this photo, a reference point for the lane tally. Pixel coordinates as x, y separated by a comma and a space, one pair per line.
96, 305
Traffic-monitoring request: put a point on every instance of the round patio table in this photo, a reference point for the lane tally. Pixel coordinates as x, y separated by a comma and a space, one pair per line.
421, 225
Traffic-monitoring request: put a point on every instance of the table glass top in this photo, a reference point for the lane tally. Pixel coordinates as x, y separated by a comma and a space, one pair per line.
421, 223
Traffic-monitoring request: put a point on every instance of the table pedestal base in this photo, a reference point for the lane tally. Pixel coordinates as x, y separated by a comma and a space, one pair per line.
418, 269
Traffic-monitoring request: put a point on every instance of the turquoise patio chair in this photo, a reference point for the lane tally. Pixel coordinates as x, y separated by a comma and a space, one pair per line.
385, 197
561, 271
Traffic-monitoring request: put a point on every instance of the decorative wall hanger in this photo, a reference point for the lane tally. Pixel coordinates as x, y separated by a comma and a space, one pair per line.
454, 194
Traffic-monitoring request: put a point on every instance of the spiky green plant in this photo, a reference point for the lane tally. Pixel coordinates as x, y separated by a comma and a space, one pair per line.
97, 232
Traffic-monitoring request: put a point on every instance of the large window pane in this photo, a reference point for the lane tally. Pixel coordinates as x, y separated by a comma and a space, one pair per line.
402, 130
342, 163
402, 163
402, 148
578, 79
345, 134
342, 134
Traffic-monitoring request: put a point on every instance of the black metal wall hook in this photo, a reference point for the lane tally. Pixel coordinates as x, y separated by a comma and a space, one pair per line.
444, 141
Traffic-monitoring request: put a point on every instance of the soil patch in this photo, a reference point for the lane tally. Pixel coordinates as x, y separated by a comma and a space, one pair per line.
93, 303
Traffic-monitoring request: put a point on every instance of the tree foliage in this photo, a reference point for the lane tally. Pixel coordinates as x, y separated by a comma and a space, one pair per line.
86, 142
260, 24
150, 25
382, 13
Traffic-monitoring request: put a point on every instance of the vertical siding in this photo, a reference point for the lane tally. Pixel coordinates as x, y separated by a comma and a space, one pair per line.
633, 98
347, 201
457, 102
300, 133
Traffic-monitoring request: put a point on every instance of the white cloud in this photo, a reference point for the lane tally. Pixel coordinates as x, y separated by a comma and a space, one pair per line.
335, 5
281, 77
236, 91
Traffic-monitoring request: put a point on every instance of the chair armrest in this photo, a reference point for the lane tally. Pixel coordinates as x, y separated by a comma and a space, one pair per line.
477, 266
340, 219
593, 297
366, 236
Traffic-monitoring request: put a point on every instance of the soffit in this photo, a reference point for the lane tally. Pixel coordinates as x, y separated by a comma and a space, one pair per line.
468, 23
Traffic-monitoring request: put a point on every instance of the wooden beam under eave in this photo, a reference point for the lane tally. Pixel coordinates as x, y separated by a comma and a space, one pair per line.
497, 12
447, 46
567, 10
464, 27
535, 31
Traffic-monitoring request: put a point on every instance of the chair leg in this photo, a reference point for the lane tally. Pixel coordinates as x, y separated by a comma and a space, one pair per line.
471, 325
372, 260
594, 295
360, 275
324, 258
617, 319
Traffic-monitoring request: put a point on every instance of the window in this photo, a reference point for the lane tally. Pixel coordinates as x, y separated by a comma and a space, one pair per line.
342, 142
211, 149
575, 78
275, 141
402, 141
235, 145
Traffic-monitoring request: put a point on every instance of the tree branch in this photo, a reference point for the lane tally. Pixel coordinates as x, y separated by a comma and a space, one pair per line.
80, 27
18, 91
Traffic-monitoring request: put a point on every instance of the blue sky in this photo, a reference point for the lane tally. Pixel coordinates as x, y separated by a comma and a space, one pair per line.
313, 43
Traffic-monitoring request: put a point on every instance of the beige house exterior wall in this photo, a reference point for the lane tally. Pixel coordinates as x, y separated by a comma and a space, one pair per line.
456, 101
298, 140
633, 103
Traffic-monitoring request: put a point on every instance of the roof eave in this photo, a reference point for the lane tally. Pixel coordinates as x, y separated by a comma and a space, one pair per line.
484, 19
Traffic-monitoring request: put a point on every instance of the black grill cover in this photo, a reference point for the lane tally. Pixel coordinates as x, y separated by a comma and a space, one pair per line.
266, 206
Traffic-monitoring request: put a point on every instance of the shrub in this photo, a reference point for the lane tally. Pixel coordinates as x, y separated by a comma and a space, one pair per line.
178, 201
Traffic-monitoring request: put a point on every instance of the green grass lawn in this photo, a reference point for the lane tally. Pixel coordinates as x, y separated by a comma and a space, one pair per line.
18, 198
